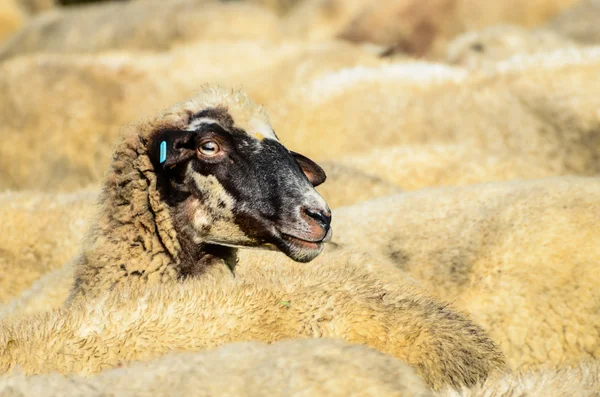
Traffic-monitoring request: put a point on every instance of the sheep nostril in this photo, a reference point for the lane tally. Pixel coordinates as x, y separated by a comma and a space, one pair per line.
322, 217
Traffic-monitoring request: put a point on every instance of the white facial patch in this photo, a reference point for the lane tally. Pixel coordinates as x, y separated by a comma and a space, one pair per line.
196, 123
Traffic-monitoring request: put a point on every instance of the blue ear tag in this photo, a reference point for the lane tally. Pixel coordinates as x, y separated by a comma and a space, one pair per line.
163, 151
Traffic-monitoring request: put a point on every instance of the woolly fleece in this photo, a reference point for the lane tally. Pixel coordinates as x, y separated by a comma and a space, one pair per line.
296, 367
521, 257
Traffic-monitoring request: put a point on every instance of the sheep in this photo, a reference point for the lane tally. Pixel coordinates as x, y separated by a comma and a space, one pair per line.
579, 22
294, 367
580, 380
12, 17
478, 49
62, 114
185, 190
546, 101
520, 257
415, 27
145, 25
39, 233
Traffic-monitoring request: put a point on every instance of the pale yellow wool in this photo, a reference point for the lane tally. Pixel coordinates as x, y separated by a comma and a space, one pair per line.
307, 62
350, 297
12, 17
411, 25
579, 380
520, 257
319, 368
48, 292
483, 48
579, 22
544, 109
38, 233
347, 185
414, 167
155, 25
61, 115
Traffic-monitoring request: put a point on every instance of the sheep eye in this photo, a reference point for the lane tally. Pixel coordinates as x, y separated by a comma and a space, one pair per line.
209, 148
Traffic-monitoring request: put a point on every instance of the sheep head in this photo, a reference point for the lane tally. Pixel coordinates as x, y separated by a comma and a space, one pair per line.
231, 183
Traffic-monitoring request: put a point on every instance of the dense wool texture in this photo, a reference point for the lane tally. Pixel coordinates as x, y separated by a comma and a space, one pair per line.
354, 298
60, 118
580, 380
39, 232
521, 257
143, 25
347, 185
541, 107
61, 115
416, 167
483, 48
413, 26
48, 292
579, 22
296, 367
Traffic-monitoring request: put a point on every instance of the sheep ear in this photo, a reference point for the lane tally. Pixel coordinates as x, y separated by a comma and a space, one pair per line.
171, 148
313, 172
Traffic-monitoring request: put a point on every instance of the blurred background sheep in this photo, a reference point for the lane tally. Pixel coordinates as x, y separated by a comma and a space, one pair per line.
461, 139
321, 368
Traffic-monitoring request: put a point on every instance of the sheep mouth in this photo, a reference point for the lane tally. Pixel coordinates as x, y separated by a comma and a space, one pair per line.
302, 250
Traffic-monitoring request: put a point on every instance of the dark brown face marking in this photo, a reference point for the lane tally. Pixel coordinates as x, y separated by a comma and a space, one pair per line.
251, 192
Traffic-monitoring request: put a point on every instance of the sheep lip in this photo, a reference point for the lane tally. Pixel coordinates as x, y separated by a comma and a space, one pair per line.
301, 240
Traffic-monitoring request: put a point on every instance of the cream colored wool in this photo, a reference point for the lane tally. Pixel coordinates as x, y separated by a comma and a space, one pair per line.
143, 25
520, 257
354, 298
12, 17
579, 22
48, 292
296, 367
580, 380
413, 26
347, 185
483, 48
541, 108
61, 115
308, 61
38, 233
416, 167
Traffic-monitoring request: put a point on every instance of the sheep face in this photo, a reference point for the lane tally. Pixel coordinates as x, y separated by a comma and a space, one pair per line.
232, 187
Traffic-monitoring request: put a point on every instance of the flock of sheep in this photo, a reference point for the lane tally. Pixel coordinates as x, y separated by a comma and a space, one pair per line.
461, 144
